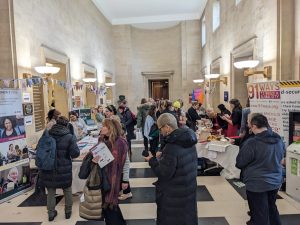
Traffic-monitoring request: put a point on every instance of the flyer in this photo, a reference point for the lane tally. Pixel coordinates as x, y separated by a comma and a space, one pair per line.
104, 153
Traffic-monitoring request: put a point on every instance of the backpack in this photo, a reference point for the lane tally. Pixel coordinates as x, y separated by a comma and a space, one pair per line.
46, 152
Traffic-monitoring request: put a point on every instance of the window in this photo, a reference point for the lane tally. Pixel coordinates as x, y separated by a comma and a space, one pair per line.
203, 31
216, 14
237, 2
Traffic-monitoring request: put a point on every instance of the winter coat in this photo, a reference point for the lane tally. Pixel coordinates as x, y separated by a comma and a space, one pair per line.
66, 149
127, 121
260, 158
142, 114
176, 186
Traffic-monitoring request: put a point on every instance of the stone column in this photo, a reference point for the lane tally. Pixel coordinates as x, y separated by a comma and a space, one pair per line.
7, 40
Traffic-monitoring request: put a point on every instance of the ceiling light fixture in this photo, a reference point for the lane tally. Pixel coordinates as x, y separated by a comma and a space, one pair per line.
110, 84
246, 64
198, 81
47, 69
89, 79
212, 76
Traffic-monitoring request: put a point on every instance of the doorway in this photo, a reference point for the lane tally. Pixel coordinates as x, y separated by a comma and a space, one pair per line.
159, 89
91, 96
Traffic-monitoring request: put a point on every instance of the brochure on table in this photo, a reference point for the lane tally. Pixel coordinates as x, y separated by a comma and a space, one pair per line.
14, 156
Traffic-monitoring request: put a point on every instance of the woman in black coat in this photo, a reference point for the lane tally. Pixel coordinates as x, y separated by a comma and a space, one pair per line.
177, 172
61, 177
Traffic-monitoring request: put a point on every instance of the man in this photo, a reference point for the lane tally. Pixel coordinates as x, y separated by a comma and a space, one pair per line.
260, 158
177, 172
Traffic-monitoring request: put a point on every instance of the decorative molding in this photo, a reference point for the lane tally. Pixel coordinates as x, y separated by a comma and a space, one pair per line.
246, 48
161, 73
89, 68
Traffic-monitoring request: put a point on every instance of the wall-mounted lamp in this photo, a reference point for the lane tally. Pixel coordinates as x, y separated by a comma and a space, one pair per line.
213, 77
89, 79
248, 66
110, 84
47, 69
198, 81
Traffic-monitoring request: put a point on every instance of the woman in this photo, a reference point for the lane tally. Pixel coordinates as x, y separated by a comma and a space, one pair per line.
192, 115
177, 172
79, 126
66, 149
53, 115
150, 128
12, 177
233, 120
141, 119
110, 110
100, 114
12, 153
222, 123
9, 128
111, 135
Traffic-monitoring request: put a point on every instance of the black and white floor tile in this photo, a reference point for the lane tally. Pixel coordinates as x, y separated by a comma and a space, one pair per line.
219, 202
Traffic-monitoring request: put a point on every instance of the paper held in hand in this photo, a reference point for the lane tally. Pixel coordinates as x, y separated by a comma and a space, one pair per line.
104, 153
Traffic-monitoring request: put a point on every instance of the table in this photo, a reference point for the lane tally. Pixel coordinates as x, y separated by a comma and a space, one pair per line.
84, 145
226, 159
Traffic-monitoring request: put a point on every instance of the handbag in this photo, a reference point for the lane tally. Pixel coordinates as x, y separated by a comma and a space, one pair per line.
90, 206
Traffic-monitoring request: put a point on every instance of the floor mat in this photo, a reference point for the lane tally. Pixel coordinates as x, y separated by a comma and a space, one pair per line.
39, 199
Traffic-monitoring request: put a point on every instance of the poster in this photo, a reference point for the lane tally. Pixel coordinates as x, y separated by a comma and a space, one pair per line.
265, 98
290, 101
14, 158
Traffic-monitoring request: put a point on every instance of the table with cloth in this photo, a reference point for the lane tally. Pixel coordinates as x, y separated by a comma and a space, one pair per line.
226, 159
84, 145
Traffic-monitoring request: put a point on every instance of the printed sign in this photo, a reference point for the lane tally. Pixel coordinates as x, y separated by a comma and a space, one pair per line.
104, 153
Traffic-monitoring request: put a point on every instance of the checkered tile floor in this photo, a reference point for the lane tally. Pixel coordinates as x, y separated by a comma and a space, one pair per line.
219, 203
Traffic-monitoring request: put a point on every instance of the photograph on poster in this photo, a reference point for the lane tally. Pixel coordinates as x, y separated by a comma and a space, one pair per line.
14, 179
11, 128
13, 151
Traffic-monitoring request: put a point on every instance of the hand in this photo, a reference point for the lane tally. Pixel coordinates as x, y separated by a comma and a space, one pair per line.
158, 154
124, 186
149, 157
231, 141
96, 159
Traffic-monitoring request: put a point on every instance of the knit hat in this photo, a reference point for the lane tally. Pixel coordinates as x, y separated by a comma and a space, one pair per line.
176, 104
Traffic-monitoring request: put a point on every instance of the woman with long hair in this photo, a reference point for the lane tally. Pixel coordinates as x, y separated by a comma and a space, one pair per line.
111, 135
151, 130
233, 120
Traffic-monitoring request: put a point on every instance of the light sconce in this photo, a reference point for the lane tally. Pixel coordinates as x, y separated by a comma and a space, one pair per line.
198, 81
110, 84
213, 78
89, 79
47, 69
248, 66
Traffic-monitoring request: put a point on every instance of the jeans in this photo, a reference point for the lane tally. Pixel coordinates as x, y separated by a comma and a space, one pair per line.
263, 207
51, 201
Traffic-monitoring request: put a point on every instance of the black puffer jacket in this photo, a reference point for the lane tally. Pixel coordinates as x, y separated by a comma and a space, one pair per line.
176, 186
66, 149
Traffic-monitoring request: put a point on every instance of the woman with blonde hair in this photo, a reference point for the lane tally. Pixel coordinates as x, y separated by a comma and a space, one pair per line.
111, 135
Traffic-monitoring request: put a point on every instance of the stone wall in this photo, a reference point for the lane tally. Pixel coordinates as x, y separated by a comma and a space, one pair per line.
248, 20
74, 28
139, 50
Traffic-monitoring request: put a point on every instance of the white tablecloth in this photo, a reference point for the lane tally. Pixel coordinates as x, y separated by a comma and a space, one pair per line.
226, 159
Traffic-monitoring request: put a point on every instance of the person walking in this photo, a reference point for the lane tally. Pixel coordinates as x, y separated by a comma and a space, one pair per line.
260, 159
61, 176
177, 172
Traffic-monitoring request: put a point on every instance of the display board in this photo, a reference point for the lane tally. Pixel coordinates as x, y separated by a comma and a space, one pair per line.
14, 158
265, 98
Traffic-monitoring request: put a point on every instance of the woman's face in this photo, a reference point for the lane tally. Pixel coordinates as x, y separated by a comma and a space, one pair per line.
231, 106
100, 109
73, 118
105, 130
11, 148
8, 124
108, 113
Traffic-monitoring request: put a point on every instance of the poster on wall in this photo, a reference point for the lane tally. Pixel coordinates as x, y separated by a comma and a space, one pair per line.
290, 101
14, 160
265, 98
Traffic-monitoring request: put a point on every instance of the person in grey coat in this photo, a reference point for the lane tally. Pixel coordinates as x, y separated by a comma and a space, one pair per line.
61, 177
177, 172
260, 159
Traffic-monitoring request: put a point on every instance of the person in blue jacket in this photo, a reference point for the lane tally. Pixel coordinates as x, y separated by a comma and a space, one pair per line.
260, 159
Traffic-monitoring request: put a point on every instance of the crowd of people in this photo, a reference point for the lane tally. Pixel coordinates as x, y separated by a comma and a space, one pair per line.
170, 132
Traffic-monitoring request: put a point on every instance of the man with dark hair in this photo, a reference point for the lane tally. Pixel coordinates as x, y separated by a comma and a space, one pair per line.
260, 158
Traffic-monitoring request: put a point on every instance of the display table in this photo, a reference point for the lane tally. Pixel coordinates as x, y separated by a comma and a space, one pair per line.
226, 159
84, 145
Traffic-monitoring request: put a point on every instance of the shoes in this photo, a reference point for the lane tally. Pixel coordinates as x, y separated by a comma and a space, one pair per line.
68, 215
51, 215
125, 196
